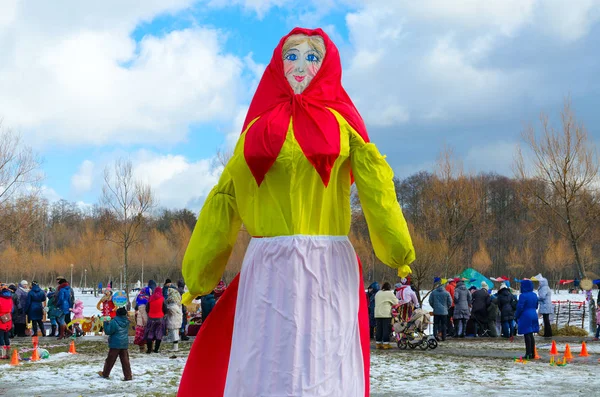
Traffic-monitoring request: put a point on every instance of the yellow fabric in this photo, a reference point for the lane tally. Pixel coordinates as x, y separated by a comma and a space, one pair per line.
293, 200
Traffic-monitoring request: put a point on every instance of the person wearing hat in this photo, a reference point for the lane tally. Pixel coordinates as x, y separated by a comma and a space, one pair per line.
527, 317
118, 344
407, 299
450, 287
462, 312
545, 301
481, 303
507, 303
6, 309
20, 318
36, 298
440, 301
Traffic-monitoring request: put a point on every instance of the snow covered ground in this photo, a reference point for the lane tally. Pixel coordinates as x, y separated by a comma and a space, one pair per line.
455, 368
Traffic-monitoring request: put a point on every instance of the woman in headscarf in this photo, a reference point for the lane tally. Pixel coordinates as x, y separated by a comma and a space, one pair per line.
155, 327
545, 302
281, 327
173, 317
141, 316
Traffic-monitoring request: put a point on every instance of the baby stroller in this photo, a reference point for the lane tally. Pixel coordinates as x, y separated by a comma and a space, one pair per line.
413, 332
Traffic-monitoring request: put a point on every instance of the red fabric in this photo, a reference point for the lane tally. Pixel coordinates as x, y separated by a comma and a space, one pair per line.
363, 327
108, 309
6, 305
315, 127
205, 372
156, 308
451, 287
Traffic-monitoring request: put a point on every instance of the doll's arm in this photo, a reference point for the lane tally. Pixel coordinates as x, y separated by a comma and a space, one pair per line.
387, 226
212, 240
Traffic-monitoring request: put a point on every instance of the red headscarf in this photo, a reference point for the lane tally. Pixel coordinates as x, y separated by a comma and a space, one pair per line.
315, 127
156, 295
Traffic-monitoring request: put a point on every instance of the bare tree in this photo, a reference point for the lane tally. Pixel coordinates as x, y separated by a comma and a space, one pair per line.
20, 179
561, 179
126, 201
454, 199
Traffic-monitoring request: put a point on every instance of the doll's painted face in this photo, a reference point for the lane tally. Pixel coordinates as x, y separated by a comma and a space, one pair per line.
302, 59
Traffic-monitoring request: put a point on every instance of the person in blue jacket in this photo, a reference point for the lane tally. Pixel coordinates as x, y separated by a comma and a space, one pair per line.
35, 307
118, 343
63, 304
527, 318
371, 292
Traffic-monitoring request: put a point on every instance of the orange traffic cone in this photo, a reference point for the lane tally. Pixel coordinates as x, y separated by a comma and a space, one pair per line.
554, 350
584, 352
34, 339
568, 354
14, 360
536, 356
72, 348
35, 356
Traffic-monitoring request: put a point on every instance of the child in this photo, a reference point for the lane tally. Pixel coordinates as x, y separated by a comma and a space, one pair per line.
154, 328
118, 331
77, 316
106, 305
6, 309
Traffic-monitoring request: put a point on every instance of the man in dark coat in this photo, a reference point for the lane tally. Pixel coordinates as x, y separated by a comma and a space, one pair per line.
481, 302
371, 292
507, 305
36, 298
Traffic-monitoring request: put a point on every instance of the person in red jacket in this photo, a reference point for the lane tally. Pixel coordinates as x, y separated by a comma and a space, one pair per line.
450, 287
154, 328
106, 305
6, 309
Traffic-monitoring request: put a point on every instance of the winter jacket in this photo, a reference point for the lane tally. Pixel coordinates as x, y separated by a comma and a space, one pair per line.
492, 316
462, 301
505, 298
207, 303
526, 314
440, 301
544, 296
141, 316
6, 306
77, 310
451, 287
598, 315
481, 302
374, 287
20, 316
384, 300
155, 308
35, 303
406, 295
174, 314
64, 298
118, 331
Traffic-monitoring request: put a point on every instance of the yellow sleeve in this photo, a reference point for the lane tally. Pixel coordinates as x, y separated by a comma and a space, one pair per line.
212, 240
387, 226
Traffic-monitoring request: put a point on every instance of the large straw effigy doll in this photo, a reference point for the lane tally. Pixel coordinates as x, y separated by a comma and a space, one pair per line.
294, 321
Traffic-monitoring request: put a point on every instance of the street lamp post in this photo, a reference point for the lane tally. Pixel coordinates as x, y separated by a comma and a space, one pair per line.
71, 275
85, 279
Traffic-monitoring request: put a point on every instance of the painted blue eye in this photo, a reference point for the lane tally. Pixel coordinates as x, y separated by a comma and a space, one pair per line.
312, 58
291, 57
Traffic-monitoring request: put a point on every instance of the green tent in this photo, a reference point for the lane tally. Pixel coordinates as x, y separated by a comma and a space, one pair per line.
472, 274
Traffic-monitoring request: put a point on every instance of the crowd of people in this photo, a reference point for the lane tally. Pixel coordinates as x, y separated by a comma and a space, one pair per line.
459, 311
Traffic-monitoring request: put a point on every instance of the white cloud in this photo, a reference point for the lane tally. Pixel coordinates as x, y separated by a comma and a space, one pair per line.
81, 182
78, 78
177, 181
50, 194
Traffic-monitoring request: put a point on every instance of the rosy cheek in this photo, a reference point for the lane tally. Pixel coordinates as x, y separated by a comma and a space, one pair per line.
288, 67
313, 69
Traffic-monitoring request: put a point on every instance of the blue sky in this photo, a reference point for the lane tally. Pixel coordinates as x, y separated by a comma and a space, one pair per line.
167, 83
